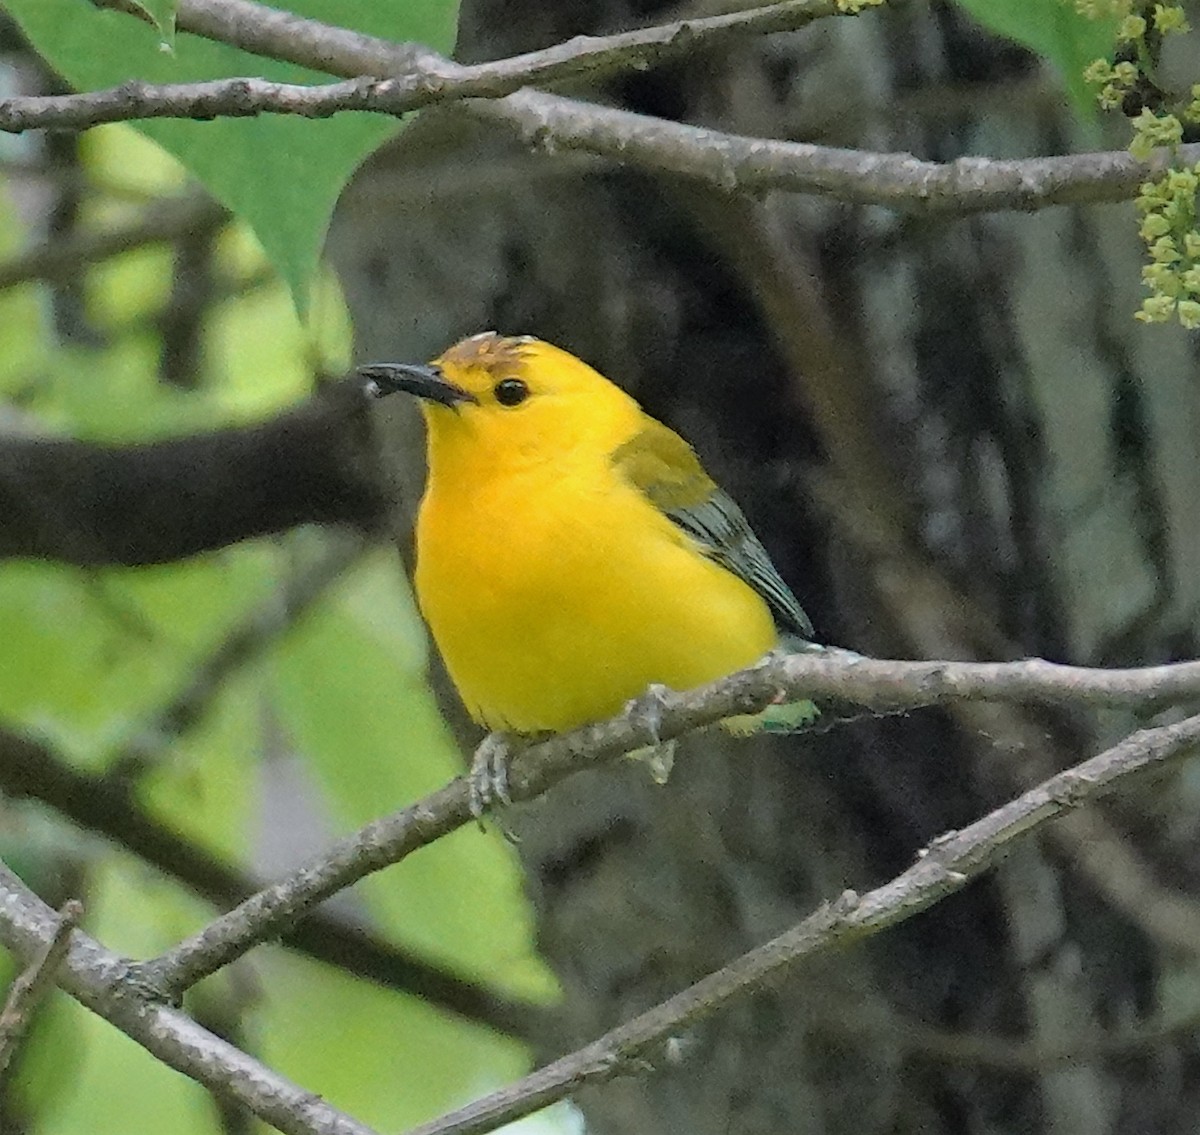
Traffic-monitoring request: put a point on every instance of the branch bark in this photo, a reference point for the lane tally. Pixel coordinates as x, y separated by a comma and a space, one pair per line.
112, 987
387, 78
734, 163
104, 982
879, 684
946, 865
92, 504
409, 76
31, 986
102, 805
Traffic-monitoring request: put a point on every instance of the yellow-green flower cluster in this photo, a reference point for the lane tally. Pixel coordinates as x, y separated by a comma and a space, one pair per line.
1167, 206
1114, 80
1152, 130
1168, 209
1170, 20
853, 7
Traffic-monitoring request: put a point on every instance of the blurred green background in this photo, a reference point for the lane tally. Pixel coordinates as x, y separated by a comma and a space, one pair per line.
329, 723
338, 701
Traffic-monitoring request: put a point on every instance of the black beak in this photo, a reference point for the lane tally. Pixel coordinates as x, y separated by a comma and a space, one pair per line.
425, 382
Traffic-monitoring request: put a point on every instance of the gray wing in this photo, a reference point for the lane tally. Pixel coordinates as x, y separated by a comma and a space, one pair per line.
725, 535
662, 466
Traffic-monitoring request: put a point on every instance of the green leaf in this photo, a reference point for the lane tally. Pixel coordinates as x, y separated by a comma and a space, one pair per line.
281, 175
1057, 32
101, 651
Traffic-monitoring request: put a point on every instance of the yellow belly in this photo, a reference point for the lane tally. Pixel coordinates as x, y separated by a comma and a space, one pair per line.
555, 610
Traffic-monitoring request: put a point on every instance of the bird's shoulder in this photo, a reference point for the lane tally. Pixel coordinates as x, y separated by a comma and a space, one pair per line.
663, 467
666, 471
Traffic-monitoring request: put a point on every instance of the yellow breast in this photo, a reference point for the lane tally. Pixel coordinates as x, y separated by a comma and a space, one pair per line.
556, 596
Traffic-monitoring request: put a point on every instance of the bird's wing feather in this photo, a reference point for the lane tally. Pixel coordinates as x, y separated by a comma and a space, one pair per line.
664, 468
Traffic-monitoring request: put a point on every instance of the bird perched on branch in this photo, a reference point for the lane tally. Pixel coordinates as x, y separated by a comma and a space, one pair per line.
572, 552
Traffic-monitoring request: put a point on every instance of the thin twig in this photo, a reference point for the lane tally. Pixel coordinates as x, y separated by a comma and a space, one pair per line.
247, 639
387, 78
397, 83
111, 987
109, 808
64, 258
942, 868
106, 984
730, 162
261, 30
33, 983
876, 683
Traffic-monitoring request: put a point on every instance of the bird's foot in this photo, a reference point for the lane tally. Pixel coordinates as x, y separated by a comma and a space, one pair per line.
488, 779
647, 710
660, 759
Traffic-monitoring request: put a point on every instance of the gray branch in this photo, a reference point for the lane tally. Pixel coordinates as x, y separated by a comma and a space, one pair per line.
107, 806
735, 163
407, 77
943, 867
105, 983
31, 985
115, 988
874, 683
394, 79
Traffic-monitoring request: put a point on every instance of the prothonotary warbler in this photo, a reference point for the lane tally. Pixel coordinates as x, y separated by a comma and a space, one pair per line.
572, 552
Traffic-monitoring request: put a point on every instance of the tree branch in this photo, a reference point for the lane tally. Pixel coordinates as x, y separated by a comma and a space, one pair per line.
93, 504
425, 77
104, 983
102, 805
841, 675
946, 865
110, 986
31, 986
936, 617
735, 163
62, 259
732, 163
247, 639
261, 30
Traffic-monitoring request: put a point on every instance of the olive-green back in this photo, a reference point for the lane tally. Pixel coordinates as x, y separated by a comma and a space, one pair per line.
662, 466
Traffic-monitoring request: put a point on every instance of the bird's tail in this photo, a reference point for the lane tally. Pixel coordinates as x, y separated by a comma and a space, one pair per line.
786, 717
791, 717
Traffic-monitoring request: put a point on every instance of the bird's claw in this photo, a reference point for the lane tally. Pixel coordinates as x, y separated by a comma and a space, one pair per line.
660, 759
647, 709
488, 779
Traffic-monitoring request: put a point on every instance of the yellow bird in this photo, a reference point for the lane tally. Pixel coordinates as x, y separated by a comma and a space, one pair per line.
571, 551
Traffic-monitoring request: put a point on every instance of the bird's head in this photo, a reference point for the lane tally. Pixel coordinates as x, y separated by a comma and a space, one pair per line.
510, 400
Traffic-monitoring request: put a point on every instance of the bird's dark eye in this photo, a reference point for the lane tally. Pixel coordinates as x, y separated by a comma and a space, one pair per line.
510, 392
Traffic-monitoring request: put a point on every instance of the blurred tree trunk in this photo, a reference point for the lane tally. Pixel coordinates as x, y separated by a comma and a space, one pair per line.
954, 440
